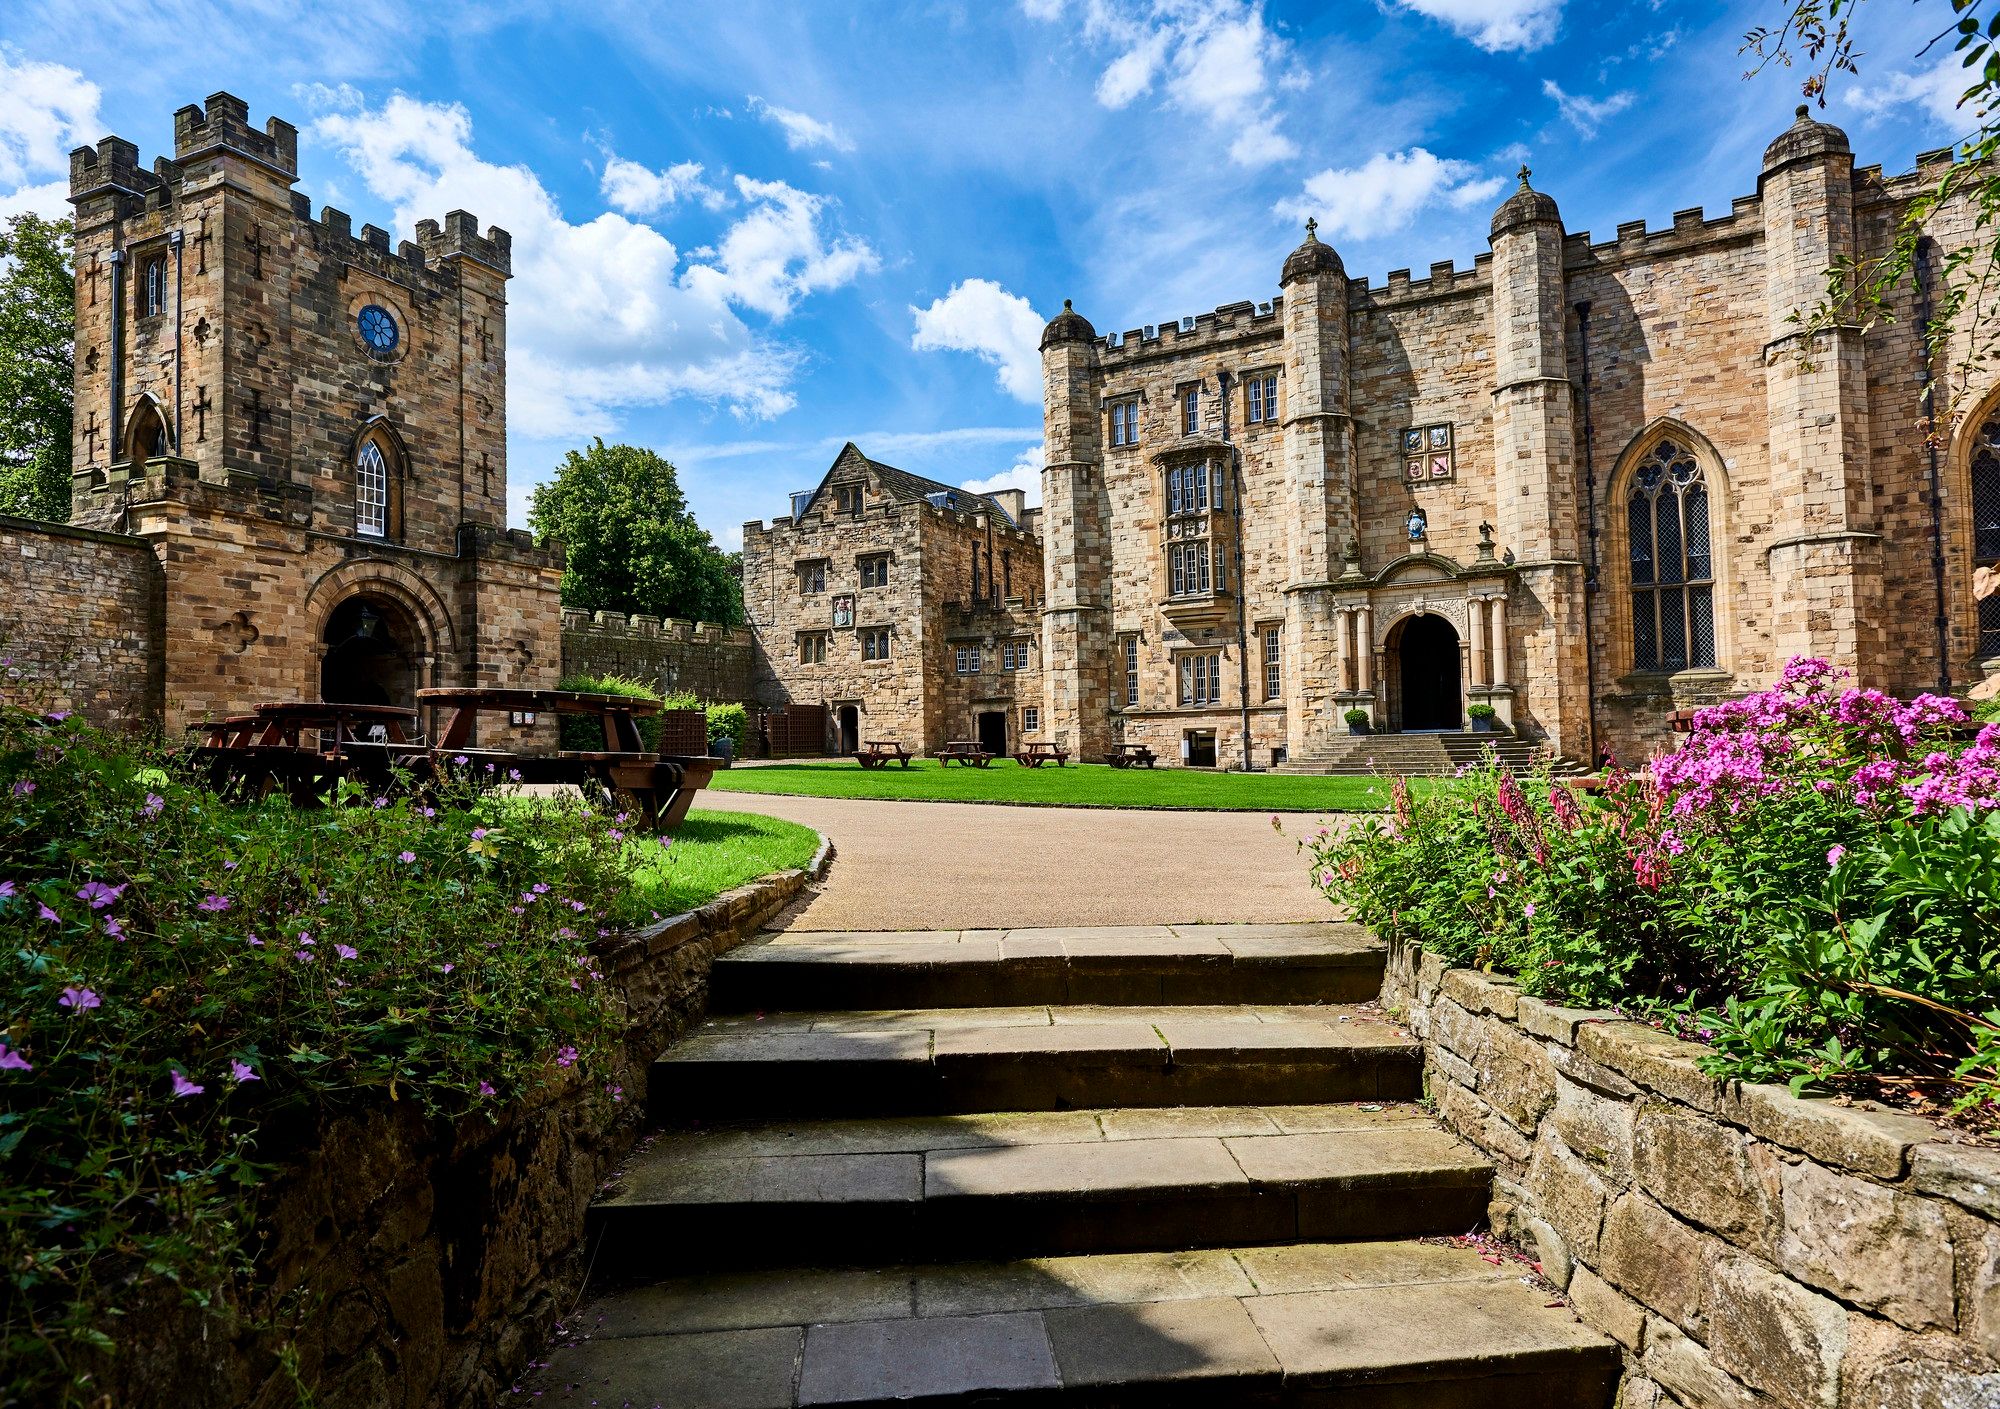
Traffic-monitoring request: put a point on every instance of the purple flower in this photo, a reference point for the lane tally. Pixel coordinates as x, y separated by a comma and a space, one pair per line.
113, 928
6, 890
566, 1057
486, 1088
154, 804
79, 999
346, 951
24, 787
214, 904
240, 1072
478, 833
10, 1060
1833, 855
1529, 909
406, 857
380, 802
184, 1087
230, 865
513, 775
540, 888
51, 916
99, 895
458, 758
58, 716
446, 968
427, 812
256, 942
304, 956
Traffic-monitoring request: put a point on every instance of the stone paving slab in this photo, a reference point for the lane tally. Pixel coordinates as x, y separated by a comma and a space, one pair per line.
1090, 1329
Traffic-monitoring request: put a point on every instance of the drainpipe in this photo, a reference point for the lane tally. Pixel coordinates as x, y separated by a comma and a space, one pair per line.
1590, 570
1242, 586
116, 382
1925, 249
174, 242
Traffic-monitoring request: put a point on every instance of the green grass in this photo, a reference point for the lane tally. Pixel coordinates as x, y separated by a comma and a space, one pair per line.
714, 852
1079, 785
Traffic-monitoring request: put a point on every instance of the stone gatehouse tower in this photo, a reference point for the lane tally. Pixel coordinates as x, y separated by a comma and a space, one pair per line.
306, 425
1583, 482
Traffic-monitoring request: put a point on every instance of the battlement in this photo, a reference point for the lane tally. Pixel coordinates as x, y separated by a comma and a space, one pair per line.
111, 165
1444, 278
225, 126
653, 628
1228, 323
459, 238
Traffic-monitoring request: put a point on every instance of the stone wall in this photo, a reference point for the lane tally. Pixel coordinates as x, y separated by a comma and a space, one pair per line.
709, 661
1745, 1247
84, 625
423, 1265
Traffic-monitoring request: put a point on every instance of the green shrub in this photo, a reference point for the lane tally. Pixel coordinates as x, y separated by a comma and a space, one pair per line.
1356, 718
174, 969
585, 731
1481, 711
730, 721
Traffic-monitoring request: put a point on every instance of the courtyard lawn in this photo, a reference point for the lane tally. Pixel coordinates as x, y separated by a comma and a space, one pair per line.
714, 852
1078, 785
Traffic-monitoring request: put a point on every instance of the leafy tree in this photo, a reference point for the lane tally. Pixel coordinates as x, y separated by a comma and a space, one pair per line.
37, 362
633, 545
1819, 36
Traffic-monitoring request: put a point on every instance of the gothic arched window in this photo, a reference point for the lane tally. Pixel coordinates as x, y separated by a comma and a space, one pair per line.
153, 287
1673, 569
1986, 528
371, 491
146, 432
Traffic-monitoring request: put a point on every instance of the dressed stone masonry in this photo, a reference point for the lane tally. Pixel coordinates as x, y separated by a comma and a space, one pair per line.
306, 426
1586, 483
1744, 1246
905, 606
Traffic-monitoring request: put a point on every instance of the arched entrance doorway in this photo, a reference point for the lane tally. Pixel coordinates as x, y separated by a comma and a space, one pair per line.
1427, 664
848, 719
372, 650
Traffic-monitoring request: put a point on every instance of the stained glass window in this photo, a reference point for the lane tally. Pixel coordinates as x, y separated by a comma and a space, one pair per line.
1672, 562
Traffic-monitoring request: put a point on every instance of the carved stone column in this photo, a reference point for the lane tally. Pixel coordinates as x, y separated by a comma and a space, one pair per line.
1499, 640
1478, 667
1364, 649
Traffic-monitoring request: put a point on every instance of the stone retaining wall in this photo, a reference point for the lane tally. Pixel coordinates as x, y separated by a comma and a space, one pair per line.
708, 661
423, 1265
85, 623
1745, 1247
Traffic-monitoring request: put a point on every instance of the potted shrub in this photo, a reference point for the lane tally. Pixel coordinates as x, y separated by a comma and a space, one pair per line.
1482, 716
1357, 721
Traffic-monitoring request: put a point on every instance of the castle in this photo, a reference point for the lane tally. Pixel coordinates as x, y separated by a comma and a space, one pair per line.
1582, 484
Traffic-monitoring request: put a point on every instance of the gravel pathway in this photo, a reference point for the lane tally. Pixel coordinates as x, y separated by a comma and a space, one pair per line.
943, 865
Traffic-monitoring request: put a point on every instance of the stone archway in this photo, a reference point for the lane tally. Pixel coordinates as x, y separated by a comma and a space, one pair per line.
1425, 663
374, 652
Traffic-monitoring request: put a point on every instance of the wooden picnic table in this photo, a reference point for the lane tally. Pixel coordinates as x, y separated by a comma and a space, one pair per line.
662, 785
247, 755
1035, 754
880, 753
1131, 756
965, 752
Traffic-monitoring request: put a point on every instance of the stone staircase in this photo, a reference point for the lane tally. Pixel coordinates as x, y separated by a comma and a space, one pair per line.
1156, 1166
1425, 755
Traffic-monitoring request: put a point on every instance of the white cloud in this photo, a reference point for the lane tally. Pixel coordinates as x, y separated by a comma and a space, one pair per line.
778, 252
47, 110
1024, 474
1936, 93
802, 130
640, 190
1214, 58
1386, 193
602, 314
1495, 25
1586, 114
981, 317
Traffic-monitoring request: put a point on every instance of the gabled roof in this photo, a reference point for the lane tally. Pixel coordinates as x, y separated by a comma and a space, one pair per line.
902, 486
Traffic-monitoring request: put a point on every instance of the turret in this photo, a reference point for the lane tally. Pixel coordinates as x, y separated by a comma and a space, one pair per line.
1076, 513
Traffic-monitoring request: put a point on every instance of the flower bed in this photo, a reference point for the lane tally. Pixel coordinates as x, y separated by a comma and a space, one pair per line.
1810, 885
192, 990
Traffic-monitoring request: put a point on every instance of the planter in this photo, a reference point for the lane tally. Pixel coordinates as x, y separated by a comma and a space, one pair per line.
1482, 726
1357, 728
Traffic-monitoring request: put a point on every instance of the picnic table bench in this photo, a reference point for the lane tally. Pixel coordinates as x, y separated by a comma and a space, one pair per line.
247, 755
880, 753
965, 752
1034, 755
1131, 756
662, 785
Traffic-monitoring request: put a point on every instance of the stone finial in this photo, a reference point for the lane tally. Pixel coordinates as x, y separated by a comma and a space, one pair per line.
1524, 174
1313, 257
1068, 326
1312, 228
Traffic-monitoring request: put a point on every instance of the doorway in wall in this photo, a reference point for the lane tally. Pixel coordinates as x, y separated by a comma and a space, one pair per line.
369, 657
993, 732
1427, 659
848, 720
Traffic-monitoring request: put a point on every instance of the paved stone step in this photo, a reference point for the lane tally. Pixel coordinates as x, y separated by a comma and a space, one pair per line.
1158, 964
1361, 1326
1031, 1059
1014, 1184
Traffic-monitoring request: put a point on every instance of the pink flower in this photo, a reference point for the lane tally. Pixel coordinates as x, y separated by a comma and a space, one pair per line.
1529, 909
10, 1060
214, 904
79, 999
113, 928
406, 857
346, 951
255, 942
478, 833
240, 1072
1833, 855
446, 968
566, 1057
184, 1087
304, 956
99, 895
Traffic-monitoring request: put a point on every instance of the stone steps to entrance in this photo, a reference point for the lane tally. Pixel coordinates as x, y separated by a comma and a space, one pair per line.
1324, 963
1393, 1325
1031, 1059
1058, 1168
1426, 755
1034, 1183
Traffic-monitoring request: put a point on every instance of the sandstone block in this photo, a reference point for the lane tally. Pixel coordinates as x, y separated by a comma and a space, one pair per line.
1608, 1309
1539, 1018
1777, 1336
1850, 1137
1515, 1075
1867, 1245
1705, 1171
1458, 1031
1596, 1127
1966, 1174
1654, 1060
1656, 1259
1569, 1196
1686, 1370
1481, 993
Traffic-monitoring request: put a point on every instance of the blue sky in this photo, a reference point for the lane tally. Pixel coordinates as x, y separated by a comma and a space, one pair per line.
747, 232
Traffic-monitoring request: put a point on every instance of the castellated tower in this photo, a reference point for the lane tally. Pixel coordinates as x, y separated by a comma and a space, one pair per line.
308, 426
1826, 554
1076, 522
1534, 487
1318, 484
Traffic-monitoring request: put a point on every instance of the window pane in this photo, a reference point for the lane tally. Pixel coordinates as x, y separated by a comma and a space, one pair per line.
1667, 547
1645, 637
1639, 519
1989, 626
1673, 629
1701, 626
1986, 499
1694, 505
